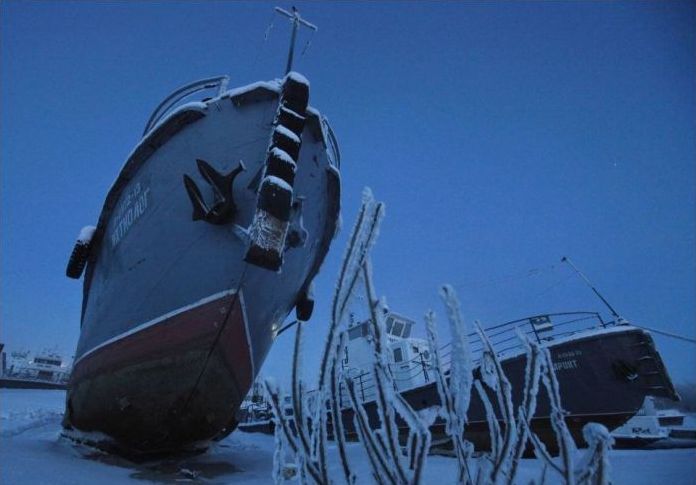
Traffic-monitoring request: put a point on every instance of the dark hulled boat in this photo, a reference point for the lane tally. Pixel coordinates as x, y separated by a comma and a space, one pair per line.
212, 233
605, 370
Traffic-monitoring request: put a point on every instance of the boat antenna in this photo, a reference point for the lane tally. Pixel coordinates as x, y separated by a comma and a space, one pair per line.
296, 20
566, 259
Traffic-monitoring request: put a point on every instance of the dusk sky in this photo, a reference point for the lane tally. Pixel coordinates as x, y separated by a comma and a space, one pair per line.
501, 136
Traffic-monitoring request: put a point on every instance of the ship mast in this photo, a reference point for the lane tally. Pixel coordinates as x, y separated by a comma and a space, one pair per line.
296, 20
566, 259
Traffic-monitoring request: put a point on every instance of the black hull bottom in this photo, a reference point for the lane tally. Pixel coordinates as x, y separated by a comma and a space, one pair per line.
30, 384
678, 438
476, 432
162, 389
265, 427
635, 443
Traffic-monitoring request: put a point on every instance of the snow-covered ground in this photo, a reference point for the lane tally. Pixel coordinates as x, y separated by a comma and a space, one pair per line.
32, 453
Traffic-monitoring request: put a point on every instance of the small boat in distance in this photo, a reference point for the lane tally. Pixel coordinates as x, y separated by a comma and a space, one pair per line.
210, 236
255, 414
653, 428
46, 370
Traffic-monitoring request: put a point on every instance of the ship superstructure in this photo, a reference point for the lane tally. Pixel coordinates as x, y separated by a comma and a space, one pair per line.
45, 370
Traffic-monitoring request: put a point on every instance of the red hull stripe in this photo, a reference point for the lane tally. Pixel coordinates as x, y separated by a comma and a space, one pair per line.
191, 327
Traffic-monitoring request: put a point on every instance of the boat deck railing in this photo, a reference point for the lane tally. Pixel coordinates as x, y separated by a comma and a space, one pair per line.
332, 143
216, 86
217, 83
505, 339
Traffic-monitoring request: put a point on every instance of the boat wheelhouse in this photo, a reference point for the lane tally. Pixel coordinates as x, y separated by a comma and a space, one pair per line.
46, 370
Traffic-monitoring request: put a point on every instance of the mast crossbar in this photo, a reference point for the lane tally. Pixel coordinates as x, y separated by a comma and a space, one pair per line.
297, 21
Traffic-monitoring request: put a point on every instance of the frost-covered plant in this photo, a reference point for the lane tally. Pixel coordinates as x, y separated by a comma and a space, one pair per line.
306, 433
595, 469
492, 374
455, 392
391, 463
593, 466
395, 461
510, 433
527, 408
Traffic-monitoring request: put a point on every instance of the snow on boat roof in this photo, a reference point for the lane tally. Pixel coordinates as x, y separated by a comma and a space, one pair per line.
269, 85
252, 92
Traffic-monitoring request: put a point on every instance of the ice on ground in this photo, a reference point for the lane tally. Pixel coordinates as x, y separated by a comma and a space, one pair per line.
32, 453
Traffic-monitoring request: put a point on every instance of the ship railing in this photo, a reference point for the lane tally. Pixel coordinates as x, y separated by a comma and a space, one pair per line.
218, 83
544, 329
334, 153
505, 339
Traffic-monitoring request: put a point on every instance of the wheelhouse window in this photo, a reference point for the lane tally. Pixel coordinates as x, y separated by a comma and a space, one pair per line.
390, 324
357, 331
398, 354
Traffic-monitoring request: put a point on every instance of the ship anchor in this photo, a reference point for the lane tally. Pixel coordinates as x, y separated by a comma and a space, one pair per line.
223, 209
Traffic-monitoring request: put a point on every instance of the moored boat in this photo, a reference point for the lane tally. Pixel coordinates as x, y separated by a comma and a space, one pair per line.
653, 428
211, 234
255, 414
605, 370
45, 370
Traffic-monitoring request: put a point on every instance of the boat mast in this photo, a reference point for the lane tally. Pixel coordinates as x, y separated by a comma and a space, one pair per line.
566, 259
294, 16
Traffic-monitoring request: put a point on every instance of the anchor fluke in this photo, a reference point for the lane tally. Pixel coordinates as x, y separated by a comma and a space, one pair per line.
200, 209
223, 208
222, 184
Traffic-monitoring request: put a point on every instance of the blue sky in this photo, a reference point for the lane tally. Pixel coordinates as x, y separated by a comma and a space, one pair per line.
501, 136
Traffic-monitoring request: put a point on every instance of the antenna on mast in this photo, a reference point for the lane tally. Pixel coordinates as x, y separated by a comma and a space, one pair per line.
296, 20
566, 259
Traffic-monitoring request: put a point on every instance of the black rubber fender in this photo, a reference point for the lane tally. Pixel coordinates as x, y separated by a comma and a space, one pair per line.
78, 260
275, 198
280, 165
286, 140
291, 120
295, 94
304, 307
